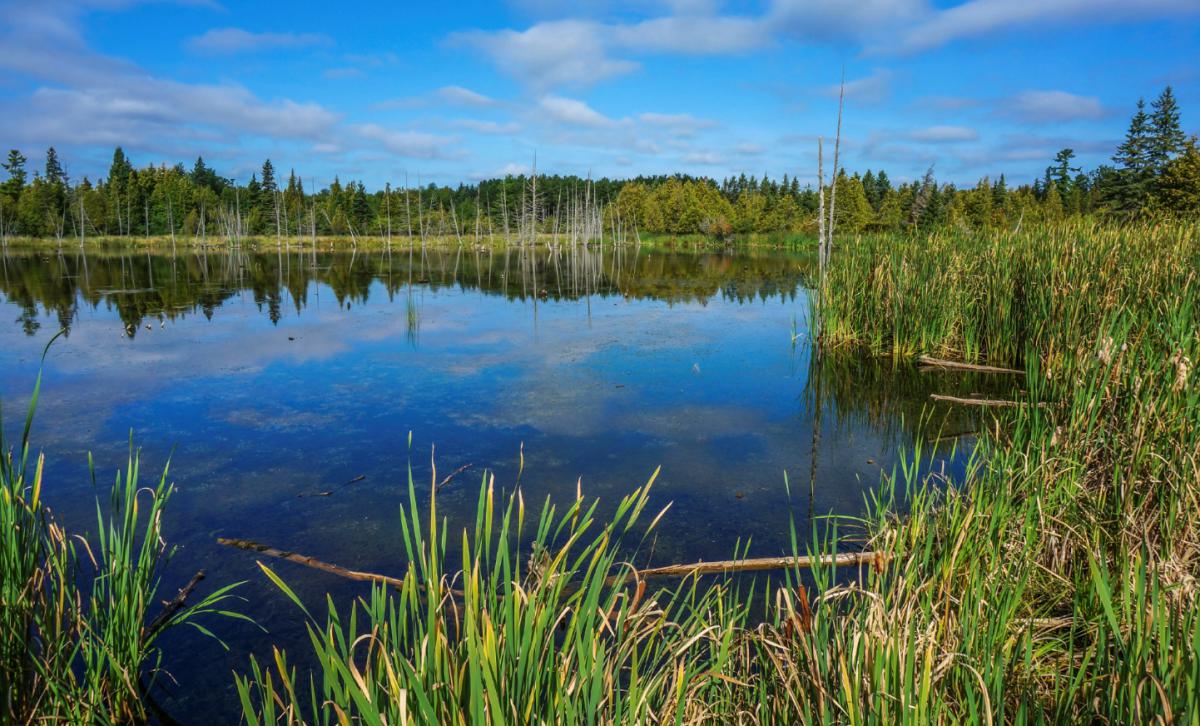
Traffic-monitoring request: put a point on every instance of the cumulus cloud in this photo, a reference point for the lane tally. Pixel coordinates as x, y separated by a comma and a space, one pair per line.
459, 96
572, 112
411, 144
236, 40
943, 134
691, 35
549, 55
680, 125
1052, 107
982, 17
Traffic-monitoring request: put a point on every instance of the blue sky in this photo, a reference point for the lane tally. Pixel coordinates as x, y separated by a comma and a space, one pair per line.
456, 91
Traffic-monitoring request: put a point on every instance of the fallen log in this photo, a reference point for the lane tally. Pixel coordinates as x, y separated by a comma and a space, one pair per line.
766, 563
931, 362
877, 559
987, 402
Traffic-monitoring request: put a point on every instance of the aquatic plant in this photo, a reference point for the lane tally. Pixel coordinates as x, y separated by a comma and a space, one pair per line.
78, 643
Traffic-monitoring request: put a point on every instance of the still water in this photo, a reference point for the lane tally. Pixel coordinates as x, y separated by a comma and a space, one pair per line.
265, 376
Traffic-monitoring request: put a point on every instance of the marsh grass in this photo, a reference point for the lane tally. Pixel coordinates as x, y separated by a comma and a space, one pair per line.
76, 644
1056, 581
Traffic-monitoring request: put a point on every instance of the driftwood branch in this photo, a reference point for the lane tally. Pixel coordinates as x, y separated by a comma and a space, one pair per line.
766, 563
877, 559
931, 362
251, 546
986, 402
451, 475
173, 606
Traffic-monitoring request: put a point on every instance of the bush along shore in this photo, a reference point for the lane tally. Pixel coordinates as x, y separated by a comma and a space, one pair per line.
1055, 581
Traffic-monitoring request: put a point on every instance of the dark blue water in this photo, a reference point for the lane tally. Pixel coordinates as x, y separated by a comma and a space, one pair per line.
265, 376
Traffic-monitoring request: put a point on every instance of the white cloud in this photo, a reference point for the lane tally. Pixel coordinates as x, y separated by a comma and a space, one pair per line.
691, 35
682, 125
943, 134
459, 96
982, 17
548, 55
705, 158
412, 144
237, 40
572, 112
487, 127
1052, 107
875, 88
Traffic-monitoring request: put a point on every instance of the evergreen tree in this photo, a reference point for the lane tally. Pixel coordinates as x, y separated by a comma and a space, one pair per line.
1132, 183
15, 166
1179, 185
268, 178
1061, 171
54, 171
1166, 137
120, 169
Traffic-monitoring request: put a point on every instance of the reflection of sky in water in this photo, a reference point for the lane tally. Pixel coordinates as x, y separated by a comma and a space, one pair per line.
603, 387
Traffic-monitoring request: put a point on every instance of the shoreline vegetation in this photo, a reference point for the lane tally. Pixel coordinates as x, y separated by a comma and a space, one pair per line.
1056, 581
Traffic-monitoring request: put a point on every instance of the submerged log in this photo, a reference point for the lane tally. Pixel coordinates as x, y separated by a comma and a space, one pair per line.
252, 546
987, 402
931, 362
174, 605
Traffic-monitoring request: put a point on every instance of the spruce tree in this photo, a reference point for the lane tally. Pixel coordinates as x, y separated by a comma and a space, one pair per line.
15, 165
54, 171
1061, 171
1166, 137
1179, 185
1132, 183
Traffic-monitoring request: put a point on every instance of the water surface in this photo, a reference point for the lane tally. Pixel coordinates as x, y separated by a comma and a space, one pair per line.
274, 374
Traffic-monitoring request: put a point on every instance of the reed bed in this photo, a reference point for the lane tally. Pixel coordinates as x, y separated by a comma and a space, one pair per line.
78, 629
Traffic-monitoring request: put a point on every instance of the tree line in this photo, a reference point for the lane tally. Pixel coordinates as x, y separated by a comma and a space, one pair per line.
1154, 171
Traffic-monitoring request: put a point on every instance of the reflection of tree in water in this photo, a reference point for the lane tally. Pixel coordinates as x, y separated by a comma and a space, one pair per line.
892, 398
140, 285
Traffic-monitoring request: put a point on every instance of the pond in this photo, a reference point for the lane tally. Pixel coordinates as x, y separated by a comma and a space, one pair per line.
285, 386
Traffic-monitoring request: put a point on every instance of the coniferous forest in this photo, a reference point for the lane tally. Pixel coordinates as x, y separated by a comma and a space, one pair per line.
1154, 172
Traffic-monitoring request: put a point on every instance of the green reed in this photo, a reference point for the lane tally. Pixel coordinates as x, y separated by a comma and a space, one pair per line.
77, 643
545, 622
